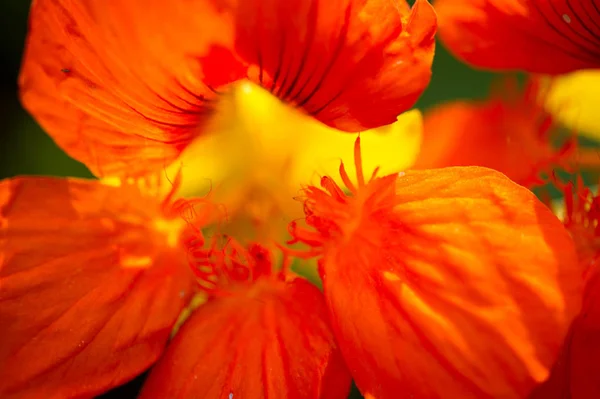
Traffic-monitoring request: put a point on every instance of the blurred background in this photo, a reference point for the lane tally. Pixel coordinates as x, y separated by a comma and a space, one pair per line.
26, 149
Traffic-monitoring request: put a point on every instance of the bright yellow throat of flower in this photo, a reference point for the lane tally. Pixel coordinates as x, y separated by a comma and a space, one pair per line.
260, 152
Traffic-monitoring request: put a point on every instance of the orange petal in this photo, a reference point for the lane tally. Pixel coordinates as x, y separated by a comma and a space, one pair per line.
124, 86
536, 36
439, 265
510, 133
352, 64
89, 288
271, 340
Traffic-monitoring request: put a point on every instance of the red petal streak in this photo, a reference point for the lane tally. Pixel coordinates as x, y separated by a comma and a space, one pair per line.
124, 86
353, 64
89, 291
433, 287
541, 36
271, 340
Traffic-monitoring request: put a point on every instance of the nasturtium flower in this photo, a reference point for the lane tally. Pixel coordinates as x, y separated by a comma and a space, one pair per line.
537, 36
453, 282
510, 132
130, 84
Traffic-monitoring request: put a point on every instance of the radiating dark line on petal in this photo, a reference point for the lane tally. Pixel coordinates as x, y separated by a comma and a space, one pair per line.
302, 86
199, 97
596, 7
585, 53
259, 57
313, 15
588, 13
572, 28
188, 125
338, 50
328, 102
280, 60
177, 109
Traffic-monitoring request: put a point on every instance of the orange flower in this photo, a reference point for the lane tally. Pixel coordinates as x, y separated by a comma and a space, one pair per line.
428, 275
537, 36
130, 84
93, 278
510, 133
575, 374
431, 276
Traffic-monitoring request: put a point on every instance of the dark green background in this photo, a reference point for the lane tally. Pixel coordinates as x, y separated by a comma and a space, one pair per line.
26, 149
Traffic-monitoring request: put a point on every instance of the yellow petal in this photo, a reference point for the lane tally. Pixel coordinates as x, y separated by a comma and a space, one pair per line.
393, 148
574, 99
261, 152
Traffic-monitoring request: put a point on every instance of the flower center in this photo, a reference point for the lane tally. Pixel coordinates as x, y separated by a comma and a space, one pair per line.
340, 217
225, 266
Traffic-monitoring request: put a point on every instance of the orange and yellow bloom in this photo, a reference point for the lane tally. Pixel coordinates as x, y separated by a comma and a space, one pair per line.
450, 282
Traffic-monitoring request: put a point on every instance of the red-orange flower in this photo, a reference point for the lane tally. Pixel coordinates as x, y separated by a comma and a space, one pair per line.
540, 36
510, 132
93, 278
431, 276
428, 276
130, 84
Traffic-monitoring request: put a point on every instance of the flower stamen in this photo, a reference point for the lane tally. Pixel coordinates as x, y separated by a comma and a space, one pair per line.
331, 214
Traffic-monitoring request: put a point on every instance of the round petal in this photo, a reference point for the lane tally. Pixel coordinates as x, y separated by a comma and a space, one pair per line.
352, 64
272, 340
124, 86
462, 277
90, 286
536, 36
